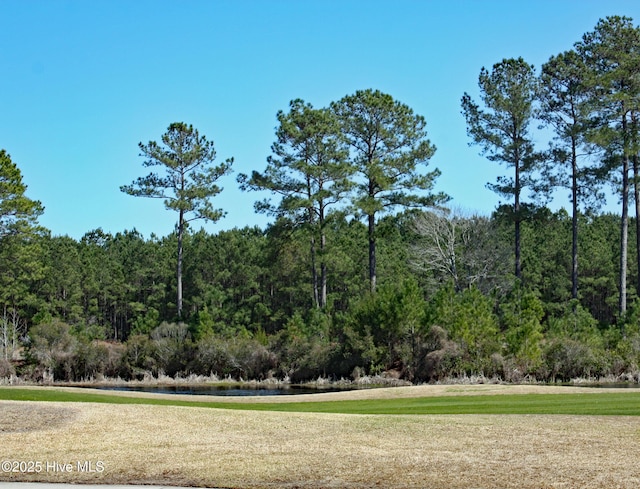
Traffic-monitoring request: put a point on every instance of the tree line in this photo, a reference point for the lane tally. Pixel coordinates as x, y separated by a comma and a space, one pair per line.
364, 269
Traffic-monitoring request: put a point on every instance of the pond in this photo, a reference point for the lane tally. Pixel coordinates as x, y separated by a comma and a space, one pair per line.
612, 385
286, 390
223, 390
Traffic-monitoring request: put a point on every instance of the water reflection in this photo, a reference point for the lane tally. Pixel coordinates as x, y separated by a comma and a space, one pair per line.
222, 390
613, 385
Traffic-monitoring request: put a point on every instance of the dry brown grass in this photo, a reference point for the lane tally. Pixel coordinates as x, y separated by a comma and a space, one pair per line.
146, 444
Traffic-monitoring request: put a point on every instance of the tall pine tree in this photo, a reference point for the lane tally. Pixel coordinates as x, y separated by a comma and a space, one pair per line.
189, 181
389, 151
308, 170
611, 53
501, 128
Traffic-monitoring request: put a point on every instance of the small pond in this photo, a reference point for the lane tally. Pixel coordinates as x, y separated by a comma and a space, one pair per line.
286, 390
223, 390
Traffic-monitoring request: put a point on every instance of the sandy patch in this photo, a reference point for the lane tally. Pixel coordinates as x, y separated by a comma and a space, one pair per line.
21, 417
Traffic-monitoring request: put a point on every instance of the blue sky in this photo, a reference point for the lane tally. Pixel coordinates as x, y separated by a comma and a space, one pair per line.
84, 81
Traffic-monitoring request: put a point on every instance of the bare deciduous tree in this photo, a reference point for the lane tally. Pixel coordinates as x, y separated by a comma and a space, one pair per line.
12, 328
460, 247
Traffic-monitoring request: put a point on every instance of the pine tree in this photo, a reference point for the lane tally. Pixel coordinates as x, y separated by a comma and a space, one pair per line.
508, 93
308, 170
188, 183
388, 150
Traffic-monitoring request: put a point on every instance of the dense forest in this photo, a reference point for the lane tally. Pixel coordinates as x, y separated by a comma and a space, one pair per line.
365, 269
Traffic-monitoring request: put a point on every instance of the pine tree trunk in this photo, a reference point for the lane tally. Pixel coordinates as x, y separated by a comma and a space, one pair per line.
314, 273
574, 221
624, 237
636, 192
516, 211
372, 252
636, 195
179, 267
323, 272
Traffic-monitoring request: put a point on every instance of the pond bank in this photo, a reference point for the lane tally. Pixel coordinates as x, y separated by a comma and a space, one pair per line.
319, 385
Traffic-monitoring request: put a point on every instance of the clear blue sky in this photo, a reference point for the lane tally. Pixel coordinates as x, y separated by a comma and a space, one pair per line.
84, 81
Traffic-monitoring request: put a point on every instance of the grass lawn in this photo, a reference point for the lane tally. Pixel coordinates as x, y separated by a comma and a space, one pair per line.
605, 403
446, 437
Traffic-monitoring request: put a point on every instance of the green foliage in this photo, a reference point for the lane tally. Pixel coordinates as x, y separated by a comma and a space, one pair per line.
17, 211
388, 150
250, 312
385, 326
146, 319
388, 145
305, 297
20, 261
521, 316
546, 257
574, 346
171, 347
469, 321
190, 179
307, 168
67, 353
598, 257
575, 322
501, 129
52, 346
508, 93
305, 346
224, 274
238, 358
564, 106
189, 182
308, 171
611, 53
22, 270
138, 357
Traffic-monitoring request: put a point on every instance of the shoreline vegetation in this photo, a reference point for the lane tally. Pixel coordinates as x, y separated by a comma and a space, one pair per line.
364, 382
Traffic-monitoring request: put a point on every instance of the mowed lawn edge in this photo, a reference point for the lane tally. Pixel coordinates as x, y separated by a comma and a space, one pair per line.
606, 403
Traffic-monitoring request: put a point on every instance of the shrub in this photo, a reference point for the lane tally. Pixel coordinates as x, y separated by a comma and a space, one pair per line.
439, 356
214, 357
575, 347
6, 369
52, 346
138, 358
566, 359
239, 358
89, 360
172, 348
470, 322
385, 327
253, 359
305, 348
521, 317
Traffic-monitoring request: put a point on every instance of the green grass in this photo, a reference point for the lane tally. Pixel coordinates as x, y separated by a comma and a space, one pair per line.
610, 404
